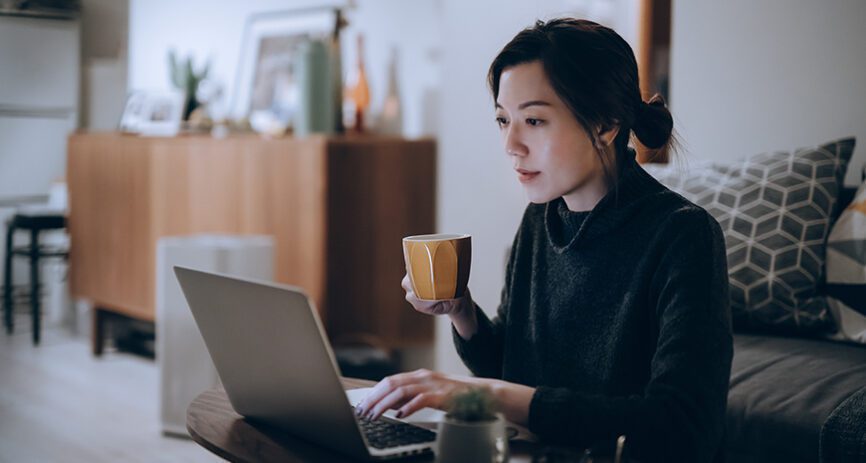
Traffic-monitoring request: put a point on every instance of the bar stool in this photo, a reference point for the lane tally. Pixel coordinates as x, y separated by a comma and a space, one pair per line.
35, 220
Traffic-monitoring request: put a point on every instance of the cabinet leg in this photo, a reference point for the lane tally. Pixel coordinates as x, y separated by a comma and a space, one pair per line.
97, 335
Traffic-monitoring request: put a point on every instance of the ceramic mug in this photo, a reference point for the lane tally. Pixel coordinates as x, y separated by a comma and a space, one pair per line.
438, 265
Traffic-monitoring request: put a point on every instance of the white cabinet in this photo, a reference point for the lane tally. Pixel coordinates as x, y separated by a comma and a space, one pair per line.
40, 62
32, 153
39, 99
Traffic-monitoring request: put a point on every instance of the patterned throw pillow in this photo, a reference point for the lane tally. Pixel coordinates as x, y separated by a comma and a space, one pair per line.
775, 210
846, 270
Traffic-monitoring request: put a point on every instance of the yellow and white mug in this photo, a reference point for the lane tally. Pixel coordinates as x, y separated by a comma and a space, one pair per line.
438, 265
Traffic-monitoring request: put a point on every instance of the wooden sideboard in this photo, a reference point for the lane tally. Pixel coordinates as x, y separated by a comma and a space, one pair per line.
337, 208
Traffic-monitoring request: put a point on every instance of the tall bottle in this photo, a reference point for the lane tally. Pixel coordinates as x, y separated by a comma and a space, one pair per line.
358, 92
315, 111
390, 120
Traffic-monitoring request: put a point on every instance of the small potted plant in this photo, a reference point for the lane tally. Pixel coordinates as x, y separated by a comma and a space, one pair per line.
472, 430
187, 80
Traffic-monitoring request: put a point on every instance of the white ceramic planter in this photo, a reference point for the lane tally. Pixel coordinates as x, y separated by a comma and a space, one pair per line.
475, 442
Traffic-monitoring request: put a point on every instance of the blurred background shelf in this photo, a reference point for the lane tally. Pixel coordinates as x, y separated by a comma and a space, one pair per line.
337, 208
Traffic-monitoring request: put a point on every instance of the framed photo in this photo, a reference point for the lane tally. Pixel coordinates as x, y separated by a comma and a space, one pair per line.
133, 112
266, 86
152, 113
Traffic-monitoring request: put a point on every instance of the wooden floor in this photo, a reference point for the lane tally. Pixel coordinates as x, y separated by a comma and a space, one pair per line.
60, 404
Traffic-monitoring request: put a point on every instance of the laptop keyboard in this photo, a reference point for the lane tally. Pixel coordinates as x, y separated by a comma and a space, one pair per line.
383, 434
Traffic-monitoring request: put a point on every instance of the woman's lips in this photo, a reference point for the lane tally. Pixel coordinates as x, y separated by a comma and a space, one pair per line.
526, 175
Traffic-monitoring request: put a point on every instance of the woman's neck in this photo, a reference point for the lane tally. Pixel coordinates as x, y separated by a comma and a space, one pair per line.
587, 195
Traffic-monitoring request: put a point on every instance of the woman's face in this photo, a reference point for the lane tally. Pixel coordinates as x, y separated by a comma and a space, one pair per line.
552, 154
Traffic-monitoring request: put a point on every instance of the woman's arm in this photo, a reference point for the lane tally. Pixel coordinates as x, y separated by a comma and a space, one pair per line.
478, 340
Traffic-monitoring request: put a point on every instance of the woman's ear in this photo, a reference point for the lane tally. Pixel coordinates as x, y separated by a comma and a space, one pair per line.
608, 134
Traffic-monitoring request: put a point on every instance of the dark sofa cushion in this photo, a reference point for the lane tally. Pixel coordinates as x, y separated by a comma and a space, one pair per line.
843, 437
782, 391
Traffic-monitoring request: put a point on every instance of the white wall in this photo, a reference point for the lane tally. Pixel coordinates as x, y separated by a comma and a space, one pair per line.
478, 192
753, 76
214, 29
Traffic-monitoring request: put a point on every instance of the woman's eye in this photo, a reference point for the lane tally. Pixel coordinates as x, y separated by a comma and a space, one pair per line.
533, 122
501, 121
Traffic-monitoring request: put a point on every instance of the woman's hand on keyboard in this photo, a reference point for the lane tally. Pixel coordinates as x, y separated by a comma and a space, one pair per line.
410, 392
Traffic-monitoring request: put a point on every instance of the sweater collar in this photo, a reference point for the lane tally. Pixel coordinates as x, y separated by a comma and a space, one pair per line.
619, 204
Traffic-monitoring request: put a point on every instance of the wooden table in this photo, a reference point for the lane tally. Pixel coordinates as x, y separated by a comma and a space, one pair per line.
214, 425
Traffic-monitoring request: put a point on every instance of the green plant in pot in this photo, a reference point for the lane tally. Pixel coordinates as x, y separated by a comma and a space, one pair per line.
472, 430
187, 80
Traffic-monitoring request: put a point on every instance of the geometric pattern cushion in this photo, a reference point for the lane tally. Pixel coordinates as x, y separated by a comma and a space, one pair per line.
775, 210
846, 270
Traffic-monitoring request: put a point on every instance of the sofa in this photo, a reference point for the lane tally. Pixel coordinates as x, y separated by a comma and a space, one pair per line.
798, 387
796, 400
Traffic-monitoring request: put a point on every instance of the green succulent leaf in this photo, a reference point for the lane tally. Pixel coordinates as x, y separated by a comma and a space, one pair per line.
174, 70
473, 405
184, 76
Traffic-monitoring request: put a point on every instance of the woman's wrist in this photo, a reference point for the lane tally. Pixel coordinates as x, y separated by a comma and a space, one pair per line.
513, 399
463, 317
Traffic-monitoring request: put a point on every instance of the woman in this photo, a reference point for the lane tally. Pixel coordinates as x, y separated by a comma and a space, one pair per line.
614, 317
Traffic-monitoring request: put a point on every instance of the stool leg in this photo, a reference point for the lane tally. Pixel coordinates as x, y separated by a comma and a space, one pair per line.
97, 335
34, 284
7, 280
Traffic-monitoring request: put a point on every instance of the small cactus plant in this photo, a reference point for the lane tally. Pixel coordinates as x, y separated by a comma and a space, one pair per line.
473, 405
185, 79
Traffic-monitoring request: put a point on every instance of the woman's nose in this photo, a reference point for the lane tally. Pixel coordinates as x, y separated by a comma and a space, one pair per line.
514, 146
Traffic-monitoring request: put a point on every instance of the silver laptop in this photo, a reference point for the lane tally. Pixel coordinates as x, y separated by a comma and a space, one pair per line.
276, 365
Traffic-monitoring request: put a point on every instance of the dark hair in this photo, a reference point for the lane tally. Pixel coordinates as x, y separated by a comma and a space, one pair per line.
593, 70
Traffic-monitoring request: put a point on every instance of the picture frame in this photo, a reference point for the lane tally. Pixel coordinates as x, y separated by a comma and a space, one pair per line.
266, 90
133, 112
152, 113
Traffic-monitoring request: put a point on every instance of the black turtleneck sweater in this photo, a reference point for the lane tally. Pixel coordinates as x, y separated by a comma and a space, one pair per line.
619, 318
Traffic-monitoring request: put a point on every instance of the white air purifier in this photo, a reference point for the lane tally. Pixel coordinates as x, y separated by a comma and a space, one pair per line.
185, 367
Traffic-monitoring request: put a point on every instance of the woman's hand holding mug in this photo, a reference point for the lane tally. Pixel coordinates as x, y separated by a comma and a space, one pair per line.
438, 306
461, 310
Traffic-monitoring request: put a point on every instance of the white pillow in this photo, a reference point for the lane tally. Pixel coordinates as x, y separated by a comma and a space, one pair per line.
846, 271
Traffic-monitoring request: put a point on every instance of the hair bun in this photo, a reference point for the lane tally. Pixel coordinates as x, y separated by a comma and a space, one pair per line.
653, 122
